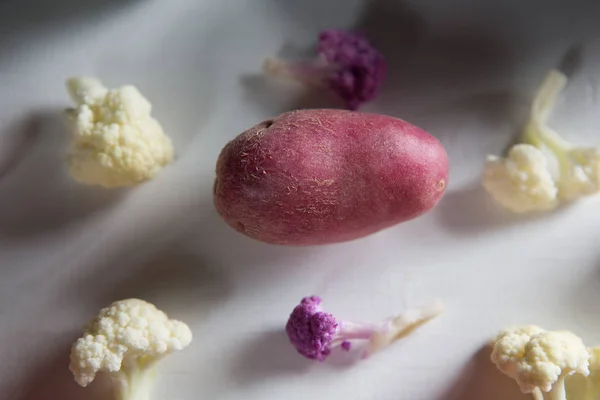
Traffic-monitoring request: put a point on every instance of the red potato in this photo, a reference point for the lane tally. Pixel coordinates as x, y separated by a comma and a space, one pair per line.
322, 176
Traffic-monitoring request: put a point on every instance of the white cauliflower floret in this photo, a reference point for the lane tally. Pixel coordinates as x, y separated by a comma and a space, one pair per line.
115, 141
548, 358
580, 173
527, 185
522, 181
126, 340
509, 345
540, 360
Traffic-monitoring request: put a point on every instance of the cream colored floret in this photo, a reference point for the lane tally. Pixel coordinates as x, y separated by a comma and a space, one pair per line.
582, 177
540, 360
509, 346
522, 181
547, 357
128, 333
115, 141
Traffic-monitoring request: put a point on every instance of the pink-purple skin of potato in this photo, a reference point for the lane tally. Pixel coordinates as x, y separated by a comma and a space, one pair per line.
312, 177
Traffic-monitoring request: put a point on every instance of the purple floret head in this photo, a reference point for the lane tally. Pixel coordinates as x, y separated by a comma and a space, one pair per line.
359, 69
311, 330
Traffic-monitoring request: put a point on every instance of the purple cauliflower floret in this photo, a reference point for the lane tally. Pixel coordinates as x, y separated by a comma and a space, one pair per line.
314, 332
347, 64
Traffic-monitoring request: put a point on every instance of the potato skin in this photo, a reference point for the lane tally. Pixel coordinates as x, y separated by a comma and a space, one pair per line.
312, 177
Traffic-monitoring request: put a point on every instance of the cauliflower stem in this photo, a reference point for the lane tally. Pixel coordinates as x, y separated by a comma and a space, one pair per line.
579, 168
558, 391
313, 73
586, 388
135, 380
402, 325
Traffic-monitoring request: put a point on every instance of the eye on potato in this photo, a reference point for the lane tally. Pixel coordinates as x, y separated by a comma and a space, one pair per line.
311, 177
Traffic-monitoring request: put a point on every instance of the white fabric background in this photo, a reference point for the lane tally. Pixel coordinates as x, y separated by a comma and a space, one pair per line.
463, 70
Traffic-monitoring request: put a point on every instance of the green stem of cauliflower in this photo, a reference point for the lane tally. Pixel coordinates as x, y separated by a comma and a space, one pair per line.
135, 382
558, 391
537, 131
578, 168
589, 390
592, 390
